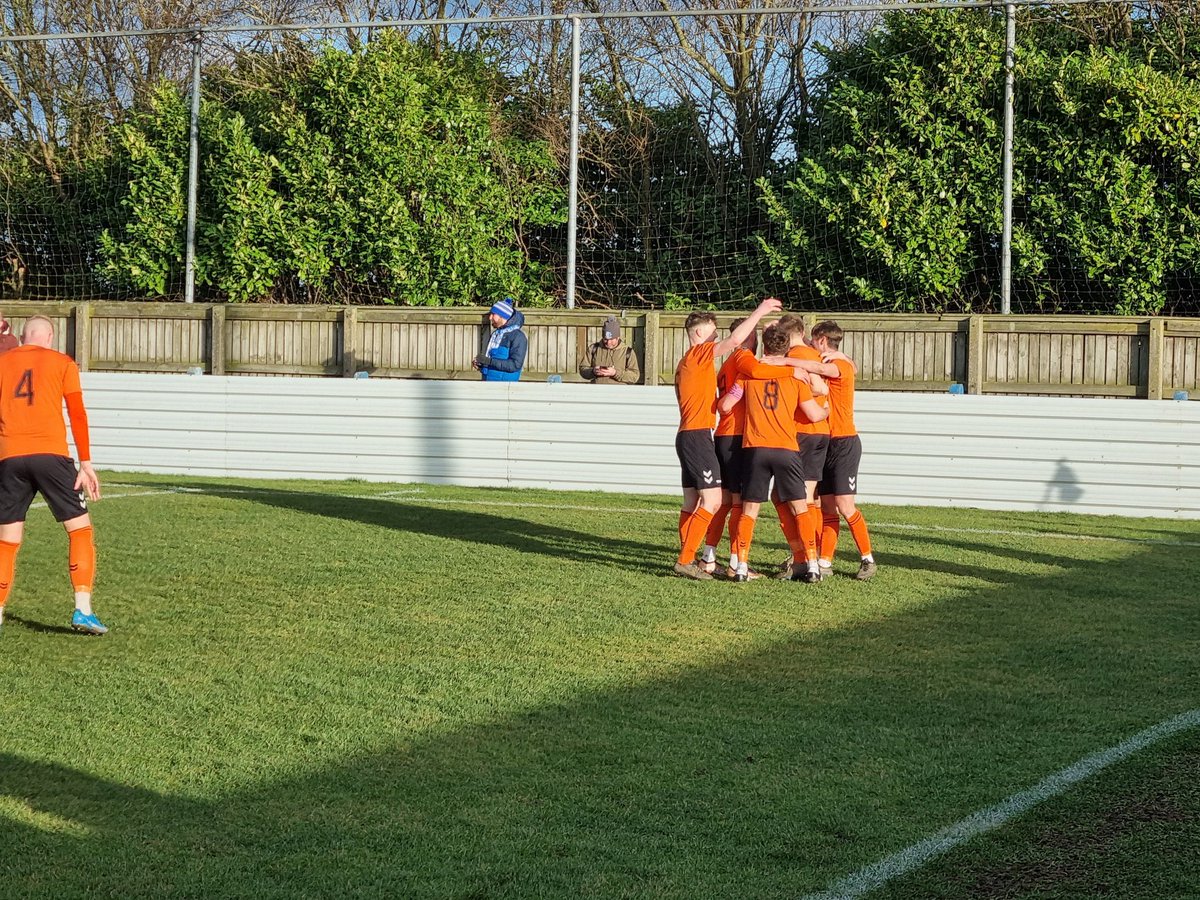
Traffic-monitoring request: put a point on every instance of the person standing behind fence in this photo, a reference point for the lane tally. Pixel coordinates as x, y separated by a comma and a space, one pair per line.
609, 360
505, 355
35, 380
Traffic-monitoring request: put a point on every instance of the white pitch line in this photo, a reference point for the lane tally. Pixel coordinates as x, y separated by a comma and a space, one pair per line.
41, 504
878, 874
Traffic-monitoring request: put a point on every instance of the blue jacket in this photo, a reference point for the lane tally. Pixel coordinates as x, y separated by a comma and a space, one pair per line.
506, 351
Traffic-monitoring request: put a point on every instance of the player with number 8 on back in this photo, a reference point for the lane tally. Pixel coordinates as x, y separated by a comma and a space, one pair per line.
35, 381
769, 451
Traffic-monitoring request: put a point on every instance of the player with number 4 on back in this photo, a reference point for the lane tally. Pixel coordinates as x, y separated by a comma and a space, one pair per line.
35, 380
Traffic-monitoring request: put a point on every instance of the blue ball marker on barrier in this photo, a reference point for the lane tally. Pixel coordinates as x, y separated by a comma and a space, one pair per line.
1181, 395
362, 374
957, 388
554, 379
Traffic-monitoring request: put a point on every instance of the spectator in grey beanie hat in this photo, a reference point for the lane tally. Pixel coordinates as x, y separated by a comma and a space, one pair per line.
609, 361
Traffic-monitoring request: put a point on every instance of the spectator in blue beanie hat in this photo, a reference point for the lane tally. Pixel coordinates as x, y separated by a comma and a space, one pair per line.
505, 355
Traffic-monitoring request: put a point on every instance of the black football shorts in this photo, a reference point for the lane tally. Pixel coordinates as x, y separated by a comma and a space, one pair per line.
698, 459
761, 464
813, 449
729, 456
841, 466
53, 476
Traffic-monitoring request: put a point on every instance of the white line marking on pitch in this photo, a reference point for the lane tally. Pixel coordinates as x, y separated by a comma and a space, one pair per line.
41, 504
888, 869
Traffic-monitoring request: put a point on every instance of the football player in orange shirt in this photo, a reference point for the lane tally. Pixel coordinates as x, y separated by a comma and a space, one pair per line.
728, 441
812, 439
839, 480
770, 452
696, 392
35, 380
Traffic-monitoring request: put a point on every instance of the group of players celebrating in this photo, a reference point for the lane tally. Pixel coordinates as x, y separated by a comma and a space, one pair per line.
785, 433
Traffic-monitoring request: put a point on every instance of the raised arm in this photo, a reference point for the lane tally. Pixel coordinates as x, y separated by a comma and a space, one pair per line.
743, 331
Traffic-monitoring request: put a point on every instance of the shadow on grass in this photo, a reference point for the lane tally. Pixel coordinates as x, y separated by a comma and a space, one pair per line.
41, 627
766, 775
461, 523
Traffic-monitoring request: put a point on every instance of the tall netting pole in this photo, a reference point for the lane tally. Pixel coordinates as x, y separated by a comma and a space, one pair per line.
573, 195
189, 273
1010, 51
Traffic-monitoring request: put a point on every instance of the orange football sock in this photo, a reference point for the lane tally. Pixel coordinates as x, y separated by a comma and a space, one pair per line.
745, 535
808, 536
8, 568
829, 534
787, 522
717, 526
684, 515
858, 530
735, 517
693, 534
82, 558
814, 515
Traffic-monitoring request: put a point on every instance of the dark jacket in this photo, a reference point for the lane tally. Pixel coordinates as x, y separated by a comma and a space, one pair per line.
506, 351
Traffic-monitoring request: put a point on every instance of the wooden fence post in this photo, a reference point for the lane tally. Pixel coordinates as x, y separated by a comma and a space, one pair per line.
83, 335
650, 341
349, 350
1154, 367
216, 339
975, 354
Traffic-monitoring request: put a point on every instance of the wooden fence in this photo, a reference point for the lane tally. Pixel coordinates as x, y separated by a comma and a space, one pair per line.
1104, 356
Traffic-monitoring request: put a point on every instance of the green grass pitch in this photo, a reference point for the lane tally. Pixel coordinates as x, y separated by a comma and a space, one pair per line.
350, 689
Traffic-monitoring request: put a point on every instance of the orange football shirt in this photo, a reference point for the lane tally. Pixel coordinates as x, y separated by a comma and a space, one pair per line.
734, 424
696, 388
803, 425
841, 400
771, 411
33, 383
